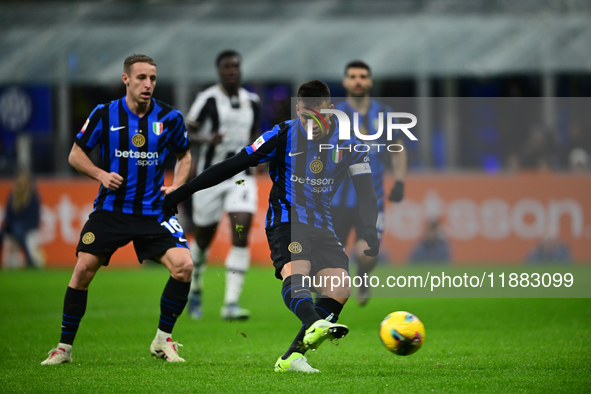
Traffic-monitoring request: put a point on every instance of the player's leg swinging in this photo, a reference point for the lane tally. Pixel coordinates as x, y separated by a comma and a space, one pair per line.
318, 318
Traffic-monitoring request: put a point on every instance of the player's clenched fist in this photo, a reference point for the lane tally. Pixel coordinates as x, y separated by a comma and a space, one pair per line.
111, 180
397, 193
370, 234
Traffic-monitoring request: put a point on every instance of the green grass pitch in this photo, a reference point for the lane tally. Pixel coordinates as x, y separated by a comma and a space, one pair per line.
472, 345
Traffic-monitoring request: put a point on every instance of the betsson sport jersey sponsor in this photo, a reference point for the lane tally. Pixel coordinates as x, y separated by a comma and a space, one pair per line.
135, 148
345, 197
304, 178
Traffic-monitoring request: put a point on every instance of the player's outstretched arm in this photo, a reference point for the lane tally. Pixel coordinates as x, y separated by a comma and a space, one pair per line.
82, 163
210, 177
368, 211
399, 161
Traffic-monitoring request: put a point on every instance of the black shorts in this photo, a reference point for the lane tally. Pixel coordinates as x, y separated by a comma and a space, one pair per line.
290, 242
107, 231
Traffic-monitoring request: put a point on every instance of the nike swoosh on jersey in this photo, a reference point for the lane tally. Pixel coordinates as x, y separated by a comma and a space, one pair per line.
294, 154
116, 128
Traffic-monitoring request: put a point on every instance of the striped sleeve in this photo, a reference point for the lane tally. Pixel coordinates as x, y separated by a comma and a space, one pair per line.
263, 148
179, 140
90, 134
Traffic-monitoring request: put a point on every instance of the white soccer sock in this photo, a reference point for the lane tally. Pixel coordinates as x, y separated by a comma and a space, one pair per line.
199, 256
237, 263
65, 346
161, 335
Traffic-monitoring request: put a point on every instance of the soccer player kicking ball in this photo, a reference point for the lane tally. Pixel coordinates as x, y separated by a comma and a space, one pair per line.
299, 225
135, 134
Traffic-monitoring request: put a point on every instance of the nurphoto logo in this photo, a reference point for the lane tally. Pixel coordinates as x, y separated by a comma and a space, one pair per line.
345, 130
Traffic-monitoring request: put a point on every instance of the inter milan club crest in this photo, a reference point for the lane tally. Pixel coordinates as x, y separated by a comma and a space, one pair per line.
88, 238
337, 155
295, 247
138, 140
158, 128
316, 166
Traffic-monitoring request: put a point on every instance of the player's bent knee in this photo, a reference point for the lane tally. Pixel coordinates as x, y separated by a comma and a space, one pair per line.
187, 270
341, 293
182, 270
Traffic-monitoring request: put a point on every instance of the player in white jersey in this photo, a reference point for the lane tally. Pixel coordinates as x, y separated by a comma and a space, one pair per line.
222, 120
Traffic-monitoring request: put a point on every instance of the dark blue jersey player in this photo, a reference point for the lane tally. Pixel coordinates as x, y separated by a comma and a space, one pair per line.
134, 135
357, 81
298, 223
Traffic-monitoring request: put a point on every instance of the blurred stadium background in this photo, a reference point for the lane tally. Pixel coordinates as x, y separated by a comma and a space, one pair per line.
497, 189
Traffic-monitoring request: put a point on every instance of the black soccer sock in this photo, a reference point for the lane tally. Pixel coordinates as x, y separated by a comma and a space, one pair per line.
173, 301
74, 308
296, 345
298, 298
327, 306
324, 307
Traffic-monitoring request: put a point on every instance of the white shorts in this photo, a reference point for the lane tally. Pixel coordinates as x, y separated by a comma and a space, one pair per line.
231, 195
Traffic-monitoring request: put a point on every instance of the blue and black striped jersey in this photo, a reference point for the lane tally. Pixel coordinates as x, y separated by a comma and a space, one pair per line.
135, 148
345, 197
305, 178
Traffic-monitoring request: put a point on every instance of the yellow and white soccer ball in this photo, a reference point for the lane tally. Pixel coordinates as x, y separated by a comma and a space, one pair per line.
402, 333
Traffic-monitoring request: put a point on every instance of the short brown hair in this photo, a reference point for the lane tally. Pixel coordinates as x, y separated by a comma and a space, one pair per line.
136, 58
313, 93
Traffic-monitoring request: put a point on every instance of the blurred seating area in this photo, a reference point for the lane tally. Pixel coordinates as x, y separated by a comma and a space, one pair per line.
59, 59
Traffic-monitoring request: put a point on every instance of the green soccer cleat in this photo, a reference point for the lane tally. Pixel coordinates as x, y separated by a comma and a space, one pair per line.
322, 330
297, 362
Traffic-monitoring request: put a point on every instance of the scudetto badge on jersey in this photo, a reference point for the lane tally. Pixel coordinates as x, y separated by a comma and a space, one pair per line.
257, 144
158, 128
337, 155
